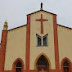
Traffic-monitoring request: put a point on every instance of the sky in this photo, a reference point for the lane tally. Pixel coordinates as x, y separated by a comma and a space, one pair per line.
15, 11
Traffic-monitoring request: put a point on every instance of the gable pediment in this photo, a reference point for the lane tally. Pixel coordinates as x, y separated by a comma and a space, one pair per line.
41, 11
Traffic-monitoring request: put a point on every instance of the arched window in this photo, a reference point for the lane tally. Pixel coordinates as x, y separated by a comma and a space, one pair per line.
18, 67
65, 66
39, 40
45, 40
42, 64
42, 40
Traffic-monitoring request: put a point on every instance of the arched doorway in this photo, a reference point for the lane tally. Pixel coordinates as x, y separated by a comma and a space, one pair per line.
65, 66
42, 64
18, 67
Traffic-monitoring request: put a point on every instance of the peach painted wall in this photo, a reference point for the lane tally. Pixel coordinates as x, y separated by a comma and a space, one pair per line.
16, 46
65, 43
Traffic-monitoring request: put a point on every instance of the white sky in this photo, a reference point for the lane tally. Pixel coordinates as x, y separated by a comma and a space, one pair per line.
15, 11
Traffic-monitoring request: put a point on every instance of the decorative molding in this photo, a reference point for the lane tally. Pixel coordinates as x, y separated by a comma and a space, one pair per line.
56, 43
28, 43
3, 50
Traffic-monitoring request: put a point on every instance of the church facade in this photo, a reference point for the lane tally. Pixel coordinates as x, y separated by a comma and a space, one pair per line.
39, 46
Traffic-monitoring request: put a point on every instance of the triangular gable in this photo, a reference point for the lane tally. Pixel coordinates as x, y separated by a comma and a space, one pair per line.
43, 11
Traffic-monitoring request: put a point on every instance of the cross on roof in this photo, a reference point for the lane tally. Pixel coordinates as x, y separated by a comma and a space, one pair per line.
41, 6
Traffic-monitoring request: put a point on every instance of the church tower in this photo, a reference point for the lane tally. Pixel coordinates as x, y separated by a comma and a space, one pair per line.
42, 40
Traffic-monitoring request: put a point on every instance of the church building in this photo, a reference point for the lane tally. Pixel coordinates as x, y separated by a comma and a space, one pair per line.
39, 46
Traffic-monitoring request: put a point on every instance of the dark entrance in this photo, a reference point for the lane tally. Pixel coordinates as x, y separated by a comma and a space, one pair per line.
65, 66
42, 64
19, 67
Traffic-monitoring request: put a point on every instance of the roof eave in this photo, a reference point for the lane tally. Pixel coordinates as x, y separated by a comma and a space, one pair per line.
64, 26
17, 27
